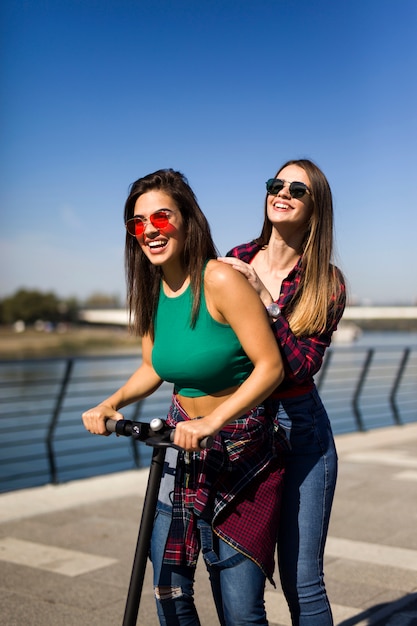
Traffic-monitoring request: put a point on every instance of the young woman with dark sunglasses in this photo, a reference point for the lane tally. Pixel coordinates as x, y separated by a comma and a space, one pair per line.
290, 267
186, 306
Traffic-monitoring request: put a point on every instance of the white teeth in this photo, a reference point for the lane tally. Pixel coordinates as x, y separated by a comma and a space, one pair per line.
279, 205
157, 244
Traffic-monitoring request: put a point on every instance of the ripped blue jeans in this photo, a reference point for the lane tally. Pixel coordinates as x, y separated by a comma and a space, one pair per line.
237, 583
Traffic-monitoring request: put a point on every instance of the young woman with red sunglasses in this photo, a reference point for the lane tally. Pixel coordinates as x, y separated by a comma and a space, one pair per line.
223, 361
290, 267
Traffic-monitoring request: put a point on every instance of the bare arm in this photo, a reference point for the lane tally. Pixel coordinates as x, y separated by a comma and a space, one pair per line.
140, 385
233, 301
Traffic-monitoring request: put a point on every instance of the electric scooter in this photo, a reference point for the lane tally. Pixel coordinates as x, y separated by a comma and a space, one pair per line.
158, 435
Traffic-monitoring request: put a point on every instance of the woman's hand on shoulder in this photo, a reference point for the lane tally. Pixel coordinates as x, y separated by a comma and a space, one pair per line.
222, 272
250, 274
95, 419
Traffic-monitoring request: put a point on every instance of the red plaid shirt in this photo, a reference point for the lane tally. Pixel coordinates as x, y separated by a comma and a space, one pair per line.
302, 356
235, 486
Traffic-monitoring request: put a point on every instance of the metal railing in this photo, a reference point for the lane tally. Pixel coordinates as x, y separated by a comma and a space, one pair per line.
41, 402
369, 387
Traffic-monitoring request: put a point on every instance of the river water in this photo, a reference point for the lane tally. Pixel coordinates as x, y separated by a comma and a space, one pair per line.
386, 338
369, 383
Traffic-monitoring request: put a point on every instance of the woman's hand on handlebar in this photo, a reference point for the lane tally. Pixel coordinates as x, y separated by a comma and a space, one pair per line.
94, 419
189, 434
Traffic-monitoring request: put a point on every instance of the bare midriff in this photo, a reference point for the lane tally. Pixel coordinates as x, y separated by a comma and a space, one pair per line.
203, 405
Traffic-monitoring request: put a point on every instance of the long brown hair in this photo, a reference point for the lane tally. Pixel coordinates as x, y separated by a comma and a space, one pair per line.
142, 278
313, 306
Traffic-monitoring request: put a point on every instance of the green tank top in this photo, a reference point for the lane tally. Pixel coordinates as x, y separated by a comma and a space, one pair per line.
201, 360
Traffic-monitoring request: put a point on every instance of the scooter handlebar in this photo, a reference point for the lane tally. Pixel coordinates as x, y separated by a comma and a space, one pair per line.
143, 431
205, 443
111, 425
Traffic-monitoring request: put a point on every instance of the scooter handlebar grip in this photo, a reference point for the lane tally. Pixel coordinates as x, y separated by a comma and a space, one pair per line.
205, 444
111, 426
121, 427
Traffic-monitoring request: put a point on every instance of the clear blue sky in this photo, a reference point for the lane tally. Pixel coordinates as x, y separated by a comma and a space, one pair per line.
96, 93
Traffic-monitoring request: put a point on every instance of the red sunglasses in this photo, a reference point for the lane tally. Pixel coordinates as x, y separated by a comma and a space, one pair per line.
136, 225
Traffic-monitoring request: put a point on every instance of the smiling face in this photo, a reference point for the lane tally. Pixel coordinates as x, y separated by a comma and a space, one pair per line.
162, 246
285, 210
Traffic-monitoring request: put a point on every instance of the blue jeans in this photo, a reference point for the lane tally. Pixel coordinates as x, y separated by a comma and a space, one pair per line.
237, 583
309, 485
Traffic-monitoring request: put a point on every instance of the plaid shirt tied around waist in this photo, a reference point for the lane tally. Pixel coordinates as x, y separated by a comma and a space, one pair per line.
235, 486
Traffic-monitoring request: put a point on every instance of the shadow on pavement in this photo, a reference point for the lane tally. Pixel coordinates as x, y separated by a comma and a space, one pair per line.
402, 612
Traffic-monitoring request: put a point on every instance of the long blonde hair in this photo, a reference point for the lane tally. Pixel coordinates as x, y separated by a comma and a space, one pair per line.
313, 307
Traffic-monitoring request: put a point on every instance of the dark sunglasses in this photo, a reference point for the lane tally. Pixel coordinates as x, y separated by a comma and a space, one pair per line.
297, 190
136, 225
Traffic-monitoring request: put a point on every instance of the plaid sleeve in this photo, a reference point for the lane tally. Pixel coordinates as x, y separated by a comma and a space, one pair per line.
304, 355
245, 251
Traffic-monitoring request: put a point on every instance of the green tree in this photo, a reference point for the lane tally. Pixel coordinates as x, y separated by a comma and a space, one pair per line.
32, 305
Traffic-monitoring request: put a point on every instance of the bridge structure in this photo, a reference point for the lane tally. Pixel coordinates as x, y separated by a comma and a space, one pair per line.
361, 317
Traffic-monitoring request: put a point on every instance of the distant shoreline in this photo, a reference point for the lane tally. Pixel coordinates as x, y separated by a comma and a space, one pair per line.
100, 339
74, 341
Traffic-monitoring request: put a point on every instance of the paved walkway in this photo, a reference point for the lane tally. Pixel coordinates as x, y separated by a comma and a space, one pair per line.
66, 551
